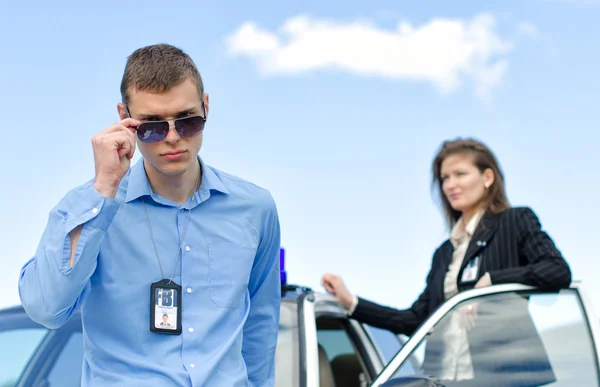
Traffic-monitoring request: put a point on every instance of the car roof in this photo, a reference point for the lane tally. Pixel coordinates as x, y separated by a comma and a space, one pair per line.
289, 293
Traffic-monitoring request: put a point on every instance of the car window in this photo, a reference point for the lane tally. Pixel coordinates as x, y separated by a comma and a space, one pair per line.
18, 345
338, 355
387, 342
66, 371
335, 342
287, 353
520, 338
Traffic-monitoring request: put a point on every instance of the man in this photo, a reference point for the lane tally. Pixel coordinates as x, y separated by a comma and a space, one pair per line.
165, 321
205, 242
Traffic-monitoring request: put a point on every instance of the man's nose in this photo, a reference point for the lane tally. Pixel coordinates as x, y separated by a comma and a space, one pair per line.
172, 135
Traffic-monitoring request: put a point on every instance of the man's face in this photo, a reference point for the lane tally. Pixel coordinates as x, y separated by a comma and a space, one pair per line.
165, 319
174, 155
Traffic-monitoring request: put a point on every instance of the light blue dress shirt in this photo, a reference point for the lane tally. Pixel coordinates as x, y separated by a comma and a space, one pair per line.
228, 270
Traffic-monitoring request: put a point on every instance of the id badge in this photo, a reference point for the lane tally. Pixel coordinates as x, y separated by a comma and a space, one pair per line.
165, 307
471, 271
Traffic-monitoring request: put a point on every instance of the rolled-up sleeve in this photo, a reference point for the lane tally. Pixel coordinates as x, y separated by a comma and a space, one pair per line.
49, 288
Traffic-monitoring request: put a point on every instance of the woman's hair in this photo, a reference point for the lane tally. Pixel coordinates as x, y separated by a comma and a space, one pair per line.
495, 200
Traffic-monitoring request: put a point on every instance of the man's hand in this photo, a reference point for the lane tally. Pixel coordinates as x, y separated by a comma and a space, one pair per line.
333, 284
113, 149
484, 281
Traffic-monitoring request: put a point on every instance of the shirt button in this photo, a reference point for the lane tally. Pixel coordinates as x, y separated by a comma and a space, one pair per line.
193, 365
191, 330
187, 248
189, 290
94, 210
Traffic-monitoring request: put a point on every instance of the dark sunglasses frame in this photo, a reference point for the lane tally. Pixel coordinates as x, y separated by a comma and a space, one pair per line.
160, 129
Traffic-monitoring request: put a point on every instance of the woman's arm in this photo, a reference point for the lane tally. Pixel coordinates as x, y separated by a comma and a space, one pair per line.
545, 266
398, 321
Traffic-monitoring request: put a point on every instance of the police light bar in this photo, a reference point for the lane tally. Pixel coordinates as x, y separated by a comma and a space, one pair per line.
282, 272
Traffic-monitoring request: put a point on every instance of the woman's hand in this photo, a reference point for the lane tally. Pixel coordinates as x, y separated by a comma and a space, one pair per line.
484, 281
334, 285
468, 315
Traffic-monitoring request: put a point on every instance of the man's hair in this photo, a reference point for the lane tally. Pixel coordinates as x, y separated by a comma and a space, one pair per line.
157, 69
495, 200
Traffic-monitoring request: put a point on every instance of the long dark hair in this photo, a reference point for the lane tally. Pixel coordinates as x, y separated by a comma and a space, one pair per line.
495, 200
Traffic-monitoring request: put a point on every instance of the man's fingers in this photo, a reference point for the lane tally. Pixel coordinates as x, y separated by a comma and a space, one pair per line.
130, 123
121, 141
131, 134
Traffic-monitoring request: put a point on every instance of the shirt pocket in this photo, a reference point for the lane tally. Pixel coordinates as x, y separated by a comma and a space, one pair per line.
229, 273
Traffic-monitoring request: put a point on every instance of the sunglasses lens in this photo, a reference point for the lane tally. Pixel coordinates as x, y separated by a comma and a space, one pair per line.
190, 126
153, 131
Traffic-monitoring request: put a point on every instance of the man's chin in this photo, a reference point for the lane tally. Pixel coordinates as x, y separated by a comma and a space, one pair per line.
171, 168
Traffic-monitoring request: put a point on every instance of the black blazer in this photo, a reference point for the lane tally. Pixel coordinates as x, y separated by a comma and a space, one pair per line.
513, 249
516, 251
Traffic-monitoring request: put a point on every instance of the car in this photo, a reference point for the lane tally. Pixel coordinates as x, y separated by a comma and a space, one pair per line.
519, 331
320, 346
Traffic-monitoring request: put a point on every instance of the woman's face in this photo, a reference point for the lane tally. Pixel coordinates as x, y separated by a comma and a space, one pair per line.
463, 184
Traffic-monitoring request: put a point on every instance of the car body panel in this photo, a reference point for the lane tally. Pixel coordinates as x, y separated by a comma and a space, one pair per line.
583, 358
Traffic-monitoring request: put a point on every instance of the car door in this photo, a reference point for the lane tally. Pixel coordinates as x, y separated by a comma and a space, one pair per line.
339, 351
57, 361
514, 335
19, 340
33, 355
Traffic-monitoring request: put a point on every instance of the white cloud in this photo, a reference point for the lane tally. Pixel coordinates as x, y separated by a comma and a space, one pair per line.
444, 52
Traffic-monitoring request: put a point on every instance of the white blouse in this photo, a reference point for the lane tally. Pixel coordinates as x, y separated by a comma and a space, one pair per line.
456, 361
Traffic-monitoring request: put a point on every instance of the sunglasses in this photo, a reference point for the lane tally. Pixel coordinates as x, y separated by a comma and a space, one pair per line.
156, 131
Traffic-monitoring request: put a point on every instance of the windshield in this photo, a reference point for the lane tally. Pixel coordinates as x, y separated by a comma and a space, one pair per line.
519, 338
19, 339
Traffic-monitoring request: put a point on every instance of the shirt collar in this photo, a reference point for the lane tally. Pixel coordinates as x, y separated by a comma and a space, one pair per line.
139, 185
460, 231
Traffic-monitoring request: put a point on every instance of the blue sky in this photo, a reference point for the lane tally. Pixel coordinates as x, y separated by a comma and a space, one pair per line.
331, 106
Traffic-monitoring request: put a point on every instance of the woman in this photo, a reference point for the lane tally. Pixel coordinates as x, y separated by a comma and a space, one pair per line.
490, 243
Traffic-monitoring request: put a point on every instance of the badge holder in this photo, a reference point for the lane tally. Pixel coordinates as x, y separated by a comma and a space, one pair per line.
165, 307
470, 273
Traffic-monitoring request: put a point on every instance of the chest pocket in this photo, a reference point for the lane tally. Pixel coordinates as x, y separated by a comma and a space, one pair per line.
229, 273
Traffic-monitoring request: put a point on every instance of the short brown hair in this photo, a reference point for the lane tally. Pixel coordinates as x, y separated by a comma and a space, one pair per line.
496, 200
157, 69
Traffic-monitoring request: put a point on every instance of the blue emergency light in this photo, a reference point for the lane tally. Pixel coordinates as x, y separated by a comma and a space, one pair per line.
282, 272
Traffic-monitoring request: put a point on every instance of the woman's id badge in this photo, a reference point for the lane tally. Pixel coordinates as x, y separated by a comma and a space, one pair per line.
471, 271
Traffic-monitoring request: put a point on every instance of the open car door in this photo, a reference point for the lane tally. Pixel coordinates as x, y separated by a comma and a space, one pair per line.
503, 335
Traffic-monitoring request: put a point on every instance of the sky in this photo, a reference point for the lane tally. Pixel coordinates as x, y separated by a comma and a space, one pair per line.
337, 108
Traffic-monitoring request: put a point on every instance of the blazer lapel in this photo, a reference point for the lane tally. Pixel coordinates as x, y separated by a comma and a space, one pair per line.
482, 236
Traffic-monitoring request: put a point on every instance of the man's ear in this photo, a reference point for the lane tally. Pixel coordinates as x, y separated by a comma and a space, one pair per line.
122, 110
206, 105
